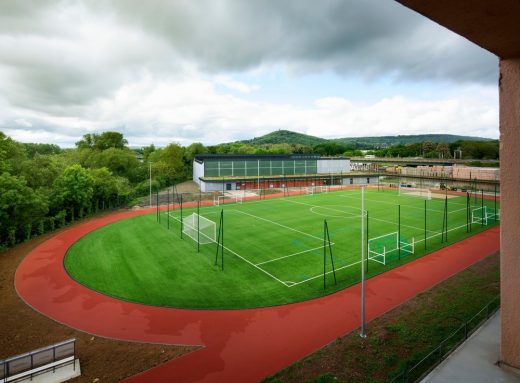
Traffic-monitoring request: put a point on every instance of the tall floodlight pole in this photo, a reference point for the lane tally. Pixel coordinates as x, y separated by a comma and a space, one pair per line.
362, 333
150, 184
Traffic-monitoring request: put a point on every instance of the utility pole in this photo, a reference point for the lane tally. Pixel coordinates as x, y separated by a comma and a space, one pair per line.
362, 333
150, 184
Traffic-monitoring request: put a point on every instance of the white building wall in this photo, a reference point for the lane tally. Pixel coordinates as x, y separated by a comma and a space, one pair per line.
360, 180
216, 186
198, 171
333, 166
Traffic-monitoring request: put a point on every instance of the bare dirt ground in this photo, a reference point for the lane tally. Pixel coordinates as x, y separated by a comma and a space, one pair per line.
22, 329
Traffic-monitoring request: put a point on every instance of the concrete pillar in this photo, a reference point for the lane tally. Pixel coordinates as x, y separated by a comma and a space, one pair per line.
510, 212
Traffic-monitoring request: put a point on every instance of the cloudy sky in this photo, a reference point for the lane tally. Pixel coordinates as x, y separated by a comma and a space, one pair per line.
222, 70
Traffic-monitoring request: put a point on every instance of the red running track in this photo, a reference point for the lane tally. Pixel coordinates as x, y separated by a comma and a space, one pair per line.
240, 345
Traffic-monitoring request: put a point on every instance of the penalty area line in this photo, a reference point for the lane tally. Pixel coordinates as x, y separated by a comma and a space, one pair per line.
291, 255
247, 261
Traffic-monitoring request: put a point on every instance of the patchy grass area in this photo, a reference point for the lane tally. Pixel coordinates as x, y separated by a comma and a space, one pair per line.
403, 335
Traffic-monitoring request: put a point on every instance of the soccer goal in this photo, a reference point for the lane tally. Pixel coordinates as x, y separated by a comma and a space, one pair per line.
485, 215
309, 190
415, 192
323, 189
381, 248
199, 228
219, 200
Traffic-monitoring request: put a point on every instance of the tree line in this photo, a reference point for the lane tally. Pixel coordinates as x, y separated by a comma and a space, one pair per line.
44, 187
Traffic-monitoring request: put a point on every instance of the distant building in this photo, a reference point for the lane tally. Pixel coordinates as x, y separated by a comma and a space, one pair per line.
215, 172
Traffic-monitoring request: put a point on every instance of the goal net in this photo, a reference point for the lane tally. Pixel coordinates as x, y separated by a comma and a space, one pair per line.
323, 189
199, 228
415, 192
224, 199
386, 247
485, 215
309, 190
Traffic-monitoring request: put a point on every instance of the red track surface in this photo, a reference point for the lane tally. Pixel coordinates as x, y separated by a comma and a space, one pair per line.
240, 345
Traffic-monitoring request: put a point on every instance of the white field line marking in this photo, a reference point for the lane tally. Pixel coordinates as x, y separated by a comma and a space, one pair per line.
251, 263
290, 255
279, 224
355, 263
356, 216
440, 233
321, 275
410, 206
384, 235
327, 207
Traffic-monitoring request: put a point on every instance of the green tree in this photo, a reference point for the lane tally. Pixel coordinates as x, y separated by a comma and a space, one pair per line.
73, 190
121, 162
12, 154
147, 150
192, 150
20, 208
41, 171
102, 141
168, 164
43, 149
104, 187
108, 140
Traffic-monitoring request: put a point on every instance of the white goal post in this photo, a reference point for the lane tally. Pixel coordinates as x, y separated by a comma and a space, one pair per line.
380, 247
484, 215
415, 192
218, 200
323, 189
199, 228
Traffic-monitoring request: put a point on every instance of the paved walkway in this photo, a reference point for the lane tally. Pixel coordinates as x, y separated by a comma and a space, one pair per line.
475, 360
240, 345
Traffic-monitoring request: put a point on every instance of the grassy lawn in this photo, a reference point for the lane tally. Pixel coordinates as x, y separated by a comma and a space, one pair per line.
403, 335
274, 248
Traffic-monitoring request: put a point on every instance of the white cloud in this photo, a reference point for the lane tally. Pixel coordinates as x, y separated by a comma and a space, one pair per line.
189, 109
241, 87
169, 71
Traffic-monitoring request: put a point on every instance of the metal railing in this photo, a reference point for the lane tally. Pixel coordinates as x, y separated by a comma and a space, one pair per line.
38, 361
422, 368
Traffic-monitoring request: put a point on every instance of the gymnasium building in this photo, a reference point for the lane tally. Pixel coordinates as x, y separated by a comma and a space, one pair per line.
218, 172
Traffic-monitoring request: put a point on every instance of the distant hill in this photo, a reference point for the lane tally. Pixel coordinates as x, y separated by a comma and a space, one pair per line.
285, 137
288, 137
383, 141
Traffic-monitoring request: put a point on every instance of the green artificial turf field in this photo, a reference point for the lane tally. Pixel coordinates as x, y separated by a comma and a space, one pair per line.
274, 248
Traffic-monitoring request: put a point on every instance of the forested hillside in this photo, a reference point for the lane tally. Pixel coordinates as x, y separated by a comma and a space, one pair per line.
288, 137
386, 141
285, 137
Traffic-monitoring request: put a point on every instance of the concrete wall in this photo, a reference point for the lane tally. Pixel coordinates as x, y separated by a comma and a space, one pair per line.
215, 186
360, 181
510, 213
198, 171
333, 166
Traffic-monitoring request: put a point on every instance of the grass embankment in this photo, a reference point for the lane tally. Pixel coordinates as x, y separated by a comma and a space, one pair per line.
403, 335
